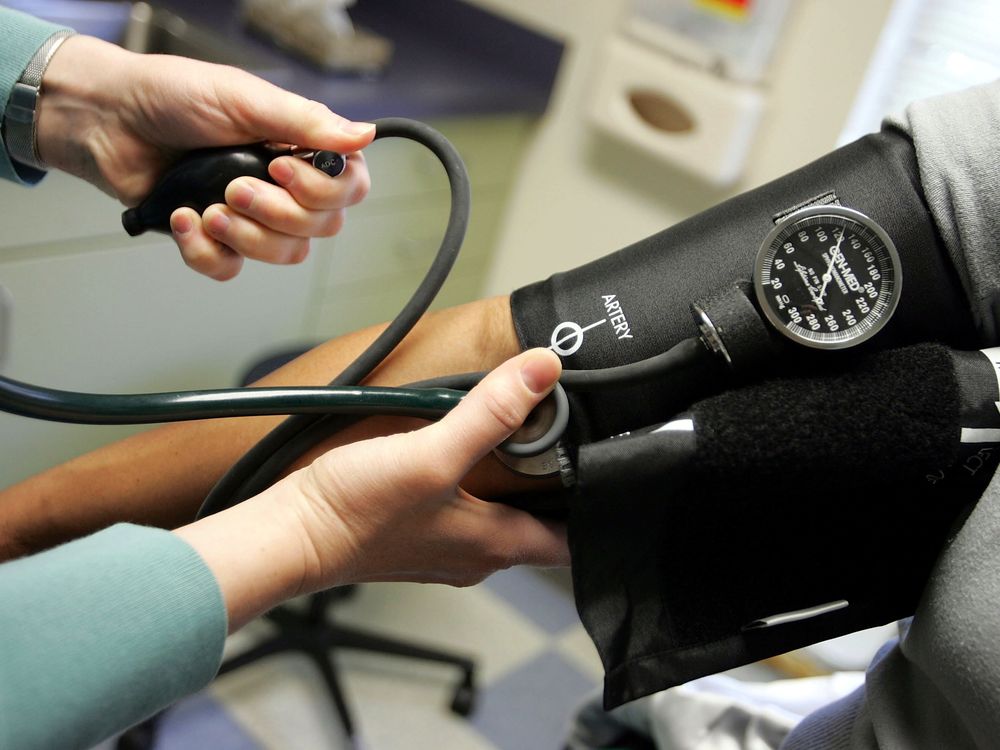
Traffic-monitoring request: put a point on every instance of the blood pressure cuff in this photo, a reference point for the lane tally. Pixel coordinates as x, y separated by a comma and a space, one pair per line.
791, 511
663, 578
635, 303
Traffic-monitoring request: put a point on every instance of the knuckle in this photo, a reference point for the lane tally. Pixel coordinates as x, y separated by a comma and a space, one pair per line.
257, 241
502, 407
198, 258
363, 184
500, 556
467, 580
488, 563
332, 223
314, 111
283, 215
321, 192
225, 265
225, 272
297, 252
473, 572
208, 265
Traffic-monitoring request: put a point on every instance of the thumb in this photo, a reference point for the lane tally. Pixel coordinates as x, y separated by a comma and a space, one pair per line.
493, 409
283, 117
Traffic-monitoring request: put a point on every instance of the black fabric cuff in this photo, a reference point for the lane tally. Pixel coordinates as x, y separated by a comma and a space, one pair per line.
634, 303
670, 570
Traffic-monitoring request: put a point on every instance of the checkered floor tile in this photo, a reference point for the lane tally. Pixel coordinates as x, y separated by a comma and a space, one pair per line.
534, 665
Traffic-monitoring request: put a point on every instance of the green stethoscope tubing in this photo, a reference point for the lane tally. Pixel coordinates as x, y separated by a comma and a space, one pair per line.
322, 410
147, 408
263, 463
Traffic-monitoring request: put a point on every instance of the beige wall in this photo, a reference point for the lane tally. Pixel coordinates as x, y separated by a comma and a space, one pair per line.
580, 196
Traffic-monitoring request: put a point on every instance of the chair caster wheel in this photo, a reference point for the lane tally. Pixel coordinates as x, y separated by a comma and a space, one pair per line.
463, 702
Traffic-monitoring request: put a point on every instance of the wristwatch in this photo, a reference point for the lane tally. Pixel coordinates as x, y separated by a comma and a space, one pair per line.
21, 116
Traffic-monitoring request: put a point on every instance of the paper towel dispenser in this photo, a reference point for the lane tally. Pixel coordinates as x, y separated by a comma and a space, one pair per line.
682, 81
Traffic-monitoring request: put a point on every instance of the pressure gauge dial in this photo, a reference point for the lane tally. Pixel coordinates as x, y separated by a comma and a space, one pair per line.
827, 277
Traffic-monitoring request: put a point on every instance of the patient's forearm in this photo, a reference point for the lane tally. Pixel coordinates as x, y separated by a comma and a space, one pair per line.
160, 477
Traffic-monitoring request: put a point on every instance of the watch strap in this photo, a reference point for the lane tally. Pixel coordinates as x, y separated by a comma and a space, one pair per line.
21, 116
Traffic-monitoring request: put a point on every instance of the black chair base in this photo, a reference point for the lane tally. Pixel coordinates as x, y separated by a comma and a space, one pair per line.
312, 633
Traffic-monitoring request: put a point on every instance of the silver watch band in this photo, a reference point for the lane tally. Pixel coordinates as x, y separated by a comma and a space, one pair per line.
21, 115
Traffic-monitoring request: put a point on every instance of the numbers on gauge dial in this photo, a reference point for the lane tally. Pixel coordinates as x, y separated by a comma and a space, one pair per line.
828, 278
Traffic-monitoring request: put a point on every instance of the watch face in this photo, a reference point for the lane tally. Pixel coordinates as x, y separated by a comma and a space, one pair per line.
827, 277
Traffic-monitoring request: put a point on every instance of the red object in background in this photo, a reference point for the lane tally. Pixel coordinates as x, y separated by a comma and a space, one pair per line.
731, 8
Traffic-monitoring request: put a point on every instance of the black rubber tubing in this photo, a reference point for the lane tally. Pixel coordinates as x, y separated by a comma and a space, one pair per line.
233, 486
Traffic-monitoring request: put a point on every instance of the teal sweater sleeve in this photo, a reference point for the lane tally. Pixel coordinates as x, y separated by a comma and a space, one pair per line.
100, 633
22, 36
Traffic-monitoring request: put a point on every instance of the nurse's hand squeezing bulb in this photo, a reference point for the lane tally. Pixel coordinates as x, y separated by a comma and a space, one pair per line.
200, 177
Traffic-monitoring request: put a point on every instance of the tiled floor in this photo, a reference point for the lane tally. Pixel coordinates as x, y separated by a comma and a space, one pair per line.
534, 665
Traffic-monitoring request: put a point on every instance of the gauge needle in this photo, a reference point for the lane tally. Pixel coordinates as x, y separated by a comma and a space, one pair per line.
803, 274
829, 269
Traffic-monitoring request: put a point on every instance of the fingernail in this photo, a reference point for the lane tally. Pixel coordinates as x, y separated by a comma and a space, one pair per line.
218, 223
538, 374
281, 171
182, 224
358, 128
241, 195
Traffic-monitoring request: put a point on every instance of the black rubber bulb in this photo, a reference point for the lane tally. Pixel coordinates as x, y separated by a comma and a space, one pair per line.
199, 179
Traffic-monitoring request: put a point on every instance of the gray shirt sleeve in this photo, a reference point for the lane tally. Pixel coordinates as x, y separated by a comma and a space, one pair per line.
957, 140
939, 685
